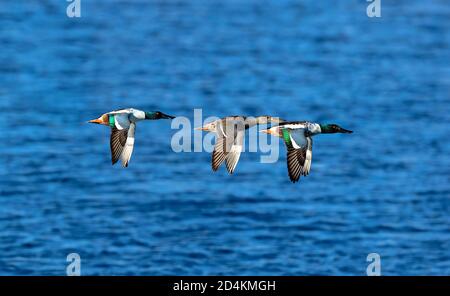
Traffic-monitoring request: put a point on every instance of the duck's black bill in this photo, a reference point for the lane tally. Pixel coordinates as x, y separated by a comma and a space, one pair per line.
165, 116
344, 131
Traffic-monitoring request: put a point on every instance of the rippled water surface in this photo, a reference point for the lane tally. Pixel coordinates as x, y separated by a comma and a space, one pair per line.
383, 189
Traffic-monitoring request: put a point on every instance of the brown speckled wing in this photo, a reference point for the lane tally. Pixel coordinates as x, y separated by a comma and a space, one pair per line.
225, 138
117, 142
219, 153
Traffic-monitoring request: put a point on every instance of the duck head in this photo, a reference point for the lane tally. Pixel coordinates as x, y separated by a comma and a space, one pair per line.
333, 128
274, 131
104, 119
209, 127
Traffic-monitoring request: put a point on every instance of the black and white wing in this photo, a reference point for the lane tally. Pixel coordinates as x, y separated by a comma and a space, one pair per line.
122, 144
299, 154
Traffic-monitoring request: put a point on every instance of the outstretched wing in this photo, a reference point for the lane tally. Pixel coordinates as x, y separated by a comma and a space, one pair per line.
299, 154
308, 159
117, 141
222, 147
129, 145
122, 143
235, 151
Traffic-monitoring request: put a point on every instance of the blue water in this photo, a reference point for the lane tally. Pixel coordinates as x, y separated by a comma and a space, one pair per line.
384, 188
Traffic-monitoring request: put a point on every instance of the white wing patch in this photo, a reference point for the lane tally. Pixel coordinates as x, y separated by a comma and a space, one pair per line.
308, 158
235, 152
129, 145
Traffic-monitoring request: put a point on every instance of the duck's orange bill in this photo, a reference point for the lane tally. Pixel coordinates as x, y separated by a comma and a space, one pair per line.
98, 121
201, 128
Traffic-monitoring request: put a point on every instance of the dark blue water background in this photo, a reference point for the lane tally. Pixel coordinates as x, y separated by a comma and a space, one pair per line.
383, 189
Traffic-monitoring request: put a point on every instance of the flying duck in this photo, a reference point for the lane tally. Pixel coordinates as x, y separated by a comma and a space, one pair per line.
123, 126
230, 133
297, 136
